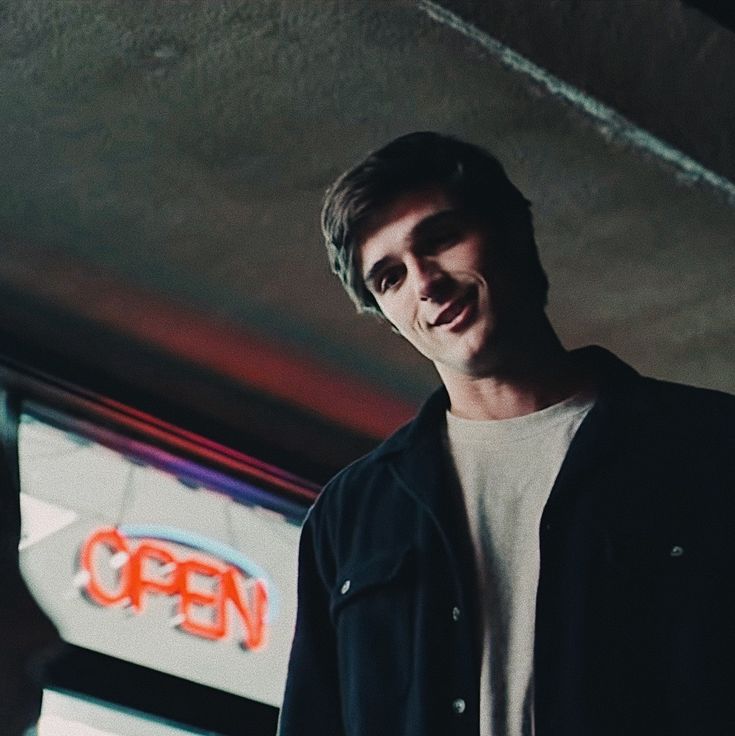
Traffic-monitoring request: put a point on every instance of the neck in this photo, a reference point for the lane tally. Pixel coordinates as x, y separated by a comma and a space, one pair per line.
535, 374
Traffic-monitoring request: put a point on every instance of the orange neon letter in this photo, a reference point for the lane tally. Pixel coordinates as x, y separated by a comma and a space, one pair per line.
140, 583
188, 598
114, 542
252, 612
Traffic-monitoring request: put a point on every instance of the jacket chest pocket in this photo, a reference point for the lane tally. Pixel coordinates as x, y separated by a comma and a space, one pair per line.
372, 608
379, 576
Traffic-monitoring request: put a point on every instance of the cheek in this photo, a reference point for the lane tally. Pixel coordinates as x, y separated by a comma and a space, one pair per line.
399, 312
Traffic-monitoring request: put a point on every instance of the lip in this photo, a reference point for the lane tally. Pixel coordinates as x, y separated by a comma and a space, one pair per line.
455, 314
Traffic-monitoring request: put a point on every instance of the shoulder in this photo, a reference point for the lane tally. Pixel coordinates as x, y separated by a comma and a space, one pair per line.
374, 470
369, 488
654, 401
684, 403
365, 507
361, 477
679, 424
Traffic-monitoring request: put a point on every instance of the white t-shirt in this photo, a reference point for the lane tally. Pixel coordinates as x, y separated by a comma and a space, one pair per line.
506, 469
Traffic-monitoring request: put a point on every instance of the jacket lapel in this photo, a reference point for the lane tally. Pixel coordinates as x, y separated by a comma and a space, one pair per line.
417, 455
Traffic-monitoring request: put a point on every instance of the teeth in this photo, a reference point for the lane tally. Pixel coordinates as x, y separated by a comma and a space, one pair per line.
454, 311
458, 308
449, 317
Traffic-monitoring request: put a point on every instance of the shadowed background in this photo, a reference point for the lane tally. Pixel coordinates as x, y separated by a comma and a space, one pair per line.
163, 166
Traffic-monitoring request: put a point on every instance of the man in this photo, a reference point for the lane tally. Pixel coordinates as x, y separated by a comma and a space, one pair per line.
549, 547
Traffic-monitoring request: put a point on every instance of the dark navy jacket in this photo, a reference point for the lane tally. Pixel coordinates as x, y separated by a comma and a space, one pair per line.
635, 613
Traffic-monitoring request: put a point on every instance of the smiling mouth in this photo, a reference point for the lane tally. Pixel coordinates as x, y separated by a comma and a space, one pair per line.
455, 310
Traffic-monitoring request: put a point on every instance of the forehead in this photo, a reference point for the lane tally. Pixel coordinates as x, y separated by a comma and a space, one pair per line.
392, 228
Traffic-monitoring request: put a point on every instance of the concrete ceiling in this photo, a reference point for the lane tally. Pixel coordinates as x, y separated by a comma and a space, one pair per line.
163, 165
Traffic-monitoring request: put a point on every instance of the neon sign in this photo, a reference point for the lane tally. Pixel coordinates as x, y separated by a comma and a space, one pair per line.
124, 566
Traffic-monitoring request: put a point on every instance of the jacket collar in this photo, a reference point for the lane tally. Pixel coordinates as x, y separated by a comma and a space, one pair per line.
611, 374
426, 423
417, 449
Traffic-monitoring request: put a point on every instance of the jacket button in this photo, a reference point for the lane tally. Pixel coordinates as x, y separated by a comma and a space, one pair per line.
455, 614
458, 706
677, 551
345, 587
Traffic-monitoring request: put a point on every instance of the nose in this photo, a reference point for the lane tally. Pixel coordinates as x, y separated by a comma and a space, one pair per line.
430, 280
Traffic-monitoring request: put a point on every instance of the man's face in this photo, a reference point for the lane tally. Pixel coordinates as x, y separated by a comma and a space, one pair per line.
427, 267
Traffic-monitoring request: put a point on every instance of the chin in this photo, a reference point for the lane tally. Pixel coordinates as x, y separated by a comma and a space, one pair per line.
471, 365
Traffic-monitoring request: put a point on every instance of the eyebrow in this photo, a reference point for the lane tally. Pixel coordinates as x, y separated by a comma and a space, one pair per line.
420, 231
426, 228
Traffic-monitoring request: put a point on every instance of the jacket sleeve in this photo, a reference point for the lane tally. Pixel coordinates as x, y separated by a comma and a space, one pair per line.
312, 703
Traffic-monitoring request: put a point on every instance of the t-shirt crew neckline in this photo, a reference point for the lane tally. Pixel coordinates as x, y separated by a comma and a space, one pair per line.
516, 428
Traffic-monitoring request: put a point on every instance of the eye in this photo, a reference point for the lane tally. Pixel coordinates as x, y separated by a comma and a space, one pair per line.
388, 279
